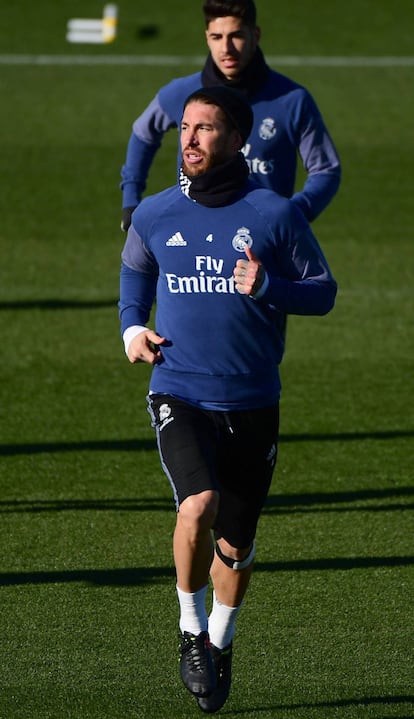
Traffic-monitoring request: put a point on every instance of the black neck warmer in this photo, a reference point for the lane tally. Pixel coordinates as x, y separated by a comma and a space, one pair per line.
220, 185
249, 81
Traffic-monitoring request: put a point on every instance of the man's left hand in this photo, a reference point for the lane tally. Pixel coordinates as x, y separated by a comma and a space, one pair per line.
249, 274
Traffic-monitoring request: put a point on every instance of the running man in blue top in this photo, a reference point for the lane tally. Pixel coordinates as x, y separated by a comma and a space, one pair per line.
226, 260
287, 122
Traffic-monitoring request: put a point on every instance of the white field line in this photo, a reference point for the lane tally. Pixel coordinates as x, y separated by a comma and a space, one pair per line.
181, 60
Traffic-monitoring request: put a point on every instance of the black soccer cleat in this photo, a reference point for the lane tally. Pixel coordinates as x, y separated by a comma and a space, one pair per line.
222, 663
196, 664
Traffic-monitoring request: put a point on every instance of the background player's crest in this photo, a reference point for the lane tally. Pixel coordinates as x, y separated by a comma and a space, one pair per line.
267, 129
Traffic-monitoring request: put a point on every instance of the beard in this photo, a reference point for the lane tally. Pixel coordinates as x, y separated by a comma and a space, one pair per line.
209, 161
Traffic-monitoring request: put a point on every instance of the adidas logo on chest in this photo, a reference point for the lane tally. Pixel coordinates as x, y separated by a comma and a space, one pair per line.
177, 240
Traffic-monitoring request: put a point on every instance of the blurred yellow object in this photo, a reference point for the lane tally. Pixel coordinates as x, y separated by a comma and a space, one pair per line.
80, 30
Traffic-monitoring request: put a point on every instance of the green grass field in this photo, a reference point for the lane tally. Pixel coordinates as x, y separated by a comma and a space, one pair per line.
88, 612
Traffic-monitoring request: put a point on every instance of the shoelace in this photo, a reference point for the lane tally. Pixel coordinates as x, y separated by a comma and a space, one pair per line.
196, 651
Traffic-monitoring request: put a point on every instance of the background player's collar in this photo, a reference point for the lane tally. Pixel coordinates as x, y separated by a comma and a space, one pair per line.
250, 80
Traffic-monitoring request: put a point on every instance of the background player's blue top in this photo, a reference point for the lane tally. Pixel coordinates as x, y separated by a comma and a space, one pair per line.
286, 120
223, 347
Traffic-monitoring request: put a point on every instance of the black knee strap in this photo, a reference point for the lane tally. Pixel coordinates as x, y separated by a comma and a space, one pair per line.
234, 563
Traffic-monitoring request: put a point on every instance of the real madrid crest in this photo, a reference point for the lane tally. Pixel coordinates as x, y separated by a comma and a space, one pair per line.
267, 129
165, 411
242, 239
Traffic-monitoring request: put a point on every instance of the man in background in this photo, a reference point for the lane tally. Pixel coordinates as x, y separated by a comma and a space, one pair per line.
287, 121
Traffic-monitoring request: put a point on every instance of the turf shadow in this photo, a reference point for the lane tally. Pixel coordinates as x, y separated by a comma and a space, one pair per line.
126, 445
112, 504
278, 504
57, 304
142, 576
336, 704
114, 445
352, 501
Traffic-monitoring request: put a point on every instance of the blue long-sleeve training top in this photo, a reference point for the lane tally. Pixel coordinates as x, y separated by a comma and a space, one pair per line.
287, 121
223, 348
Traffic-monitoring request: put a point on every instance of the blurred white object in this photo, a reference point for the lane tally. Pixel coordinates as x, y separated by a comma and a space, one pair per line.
109, 22
81, 30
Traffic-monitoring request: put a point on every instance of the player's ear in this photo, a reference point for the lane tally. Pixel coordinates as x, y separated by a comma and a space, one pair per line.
237, 140
257, 33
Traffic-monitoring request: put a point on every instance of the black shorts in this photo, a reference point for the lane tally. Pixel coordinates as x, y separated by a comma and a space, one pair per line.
231, 452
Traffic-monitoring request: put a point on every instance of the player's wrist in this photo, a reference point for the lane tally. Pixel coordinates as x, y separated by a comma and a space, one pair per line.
130, 333
263, 287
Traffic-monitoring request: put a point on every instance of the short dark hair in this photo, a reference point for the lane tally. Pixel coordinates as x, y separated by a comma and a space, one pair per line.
243, 9
235, 107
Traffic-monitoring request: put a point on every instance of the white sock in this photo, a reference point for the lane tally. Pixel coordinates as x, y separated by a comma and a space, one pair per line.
221, 623
193, 612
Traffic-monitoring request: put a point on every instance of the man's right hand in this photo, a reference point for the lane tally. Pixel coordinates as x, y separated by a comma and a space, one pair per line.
126, 218
144, 347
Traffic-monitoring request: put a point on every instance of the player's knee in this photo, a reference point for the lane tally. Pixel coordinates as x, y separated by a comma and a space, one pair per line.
199, 510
